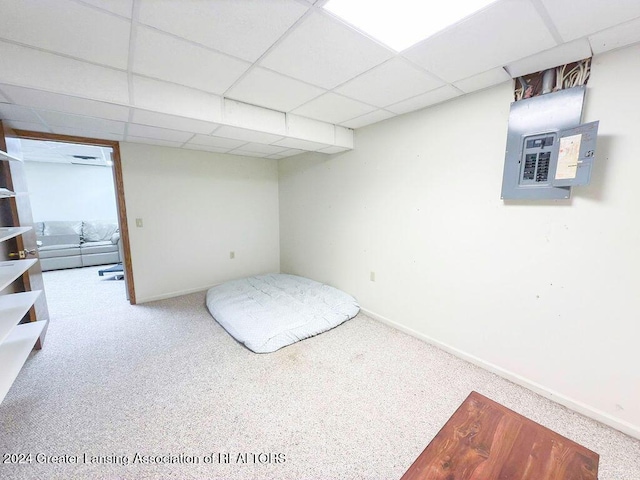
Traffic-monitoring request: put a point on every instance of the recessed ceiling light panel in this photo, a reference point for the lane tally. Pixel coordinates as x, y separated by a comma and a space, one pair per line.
400, 24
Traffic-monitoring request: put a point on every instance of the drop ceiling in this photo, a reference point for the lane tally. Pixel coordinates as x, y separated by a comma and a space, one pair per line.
266, 78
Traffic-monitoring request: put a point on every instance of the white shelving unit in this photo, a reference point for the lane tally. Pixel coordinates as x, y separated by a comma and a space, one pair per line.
12, 308
12, 269
15, 350
6, 193
9, 232
5, 156
16, 339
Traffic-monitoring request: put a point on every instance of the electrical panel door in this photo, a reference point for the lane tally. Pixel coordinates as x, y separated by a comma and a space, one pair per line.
572, 160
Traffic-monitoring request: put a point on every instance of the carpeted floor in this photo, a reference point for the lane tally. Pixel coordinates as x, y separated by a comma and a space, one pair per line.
117, 383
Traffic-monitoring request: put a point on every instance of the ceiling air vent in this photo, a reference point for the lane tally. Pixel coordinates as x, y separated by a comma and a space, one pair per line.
88, 160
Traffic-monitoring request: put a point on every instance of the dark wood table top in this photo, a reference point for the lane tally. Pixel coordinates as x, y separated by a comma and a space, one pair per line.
484, 440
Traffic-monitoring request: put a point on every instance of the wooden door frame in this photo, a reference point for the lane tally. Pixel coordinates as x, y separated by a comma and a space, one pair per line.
119, 187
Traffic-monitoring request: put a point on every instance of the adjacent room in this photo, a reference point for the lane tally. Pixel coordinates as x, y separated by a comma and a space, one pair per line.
317, 239
73, 205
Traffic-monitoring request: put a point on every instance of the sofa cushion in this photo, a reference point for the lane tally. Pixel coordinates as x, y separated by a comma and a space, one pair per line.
64, 227
98, 231
58, 241
58, 251
100, 259
60, 262
98, 247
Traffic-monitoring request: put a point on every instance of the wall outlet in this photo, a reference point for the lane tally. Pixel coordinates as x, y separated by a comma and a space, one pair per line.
139, 222
372, 276
232, 255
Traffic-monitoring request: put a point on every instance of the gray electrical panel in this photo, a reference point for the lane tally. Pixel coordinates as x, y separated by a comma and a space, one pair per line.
536, 159
548, 151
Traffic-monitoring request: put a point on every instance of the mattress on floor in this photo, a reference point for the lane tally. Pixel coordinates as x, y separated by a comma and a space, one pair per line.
268, 312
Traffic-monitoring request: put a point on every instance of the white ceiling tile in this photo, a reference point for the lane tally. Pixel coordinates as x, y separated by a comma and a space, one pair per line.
119, 7
246, 153
30, 126
333, 108
65, 103
9, 111
494, 37
325, 52
261, 148
486, 79
308, 129
301, 144
616, 37
218, 142
155, 119
560, 55
3, 99
76, 132
333, 150
205, 148
426, 99
244, 29
67, 27
272, 90
183, 62
574, 21
368, 119
32, 68
146, 131
81, 122
153, 141
275, 157
246, 135
174, 99
389, 83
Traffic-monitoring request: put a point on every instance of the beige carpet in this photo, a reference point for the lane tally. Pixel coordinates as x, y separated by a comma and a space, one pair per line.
165, 380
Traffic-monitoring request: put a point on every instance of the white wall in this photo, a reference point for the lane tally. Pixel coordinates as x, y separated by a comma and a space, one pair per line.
197, 207
547, 293
60, 191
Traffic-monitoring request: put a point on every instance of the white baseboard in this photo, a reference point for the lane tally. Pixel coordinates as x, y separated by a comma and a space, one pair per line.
557, 397
179, 293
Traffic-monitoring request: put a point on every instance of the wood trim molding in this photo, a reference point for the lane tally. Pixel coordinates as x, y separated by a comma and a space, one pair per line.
124, 226
119, 187
54, 137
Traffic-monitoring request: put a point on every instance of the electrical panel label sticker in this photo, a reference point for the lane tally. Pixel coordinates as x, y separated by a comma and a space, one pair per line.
568, 157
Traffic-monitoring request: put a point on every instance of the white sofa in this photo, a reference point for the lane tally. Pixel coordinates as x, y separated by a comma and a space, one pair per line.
71, 244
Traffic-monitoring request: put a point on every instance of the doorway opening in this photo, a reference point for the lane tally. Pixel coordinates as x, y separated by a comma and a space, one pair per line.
77, 201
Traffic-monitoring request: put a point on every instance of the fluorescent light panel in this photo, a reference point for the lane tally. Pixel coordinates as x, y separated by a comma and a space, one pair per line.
400, 24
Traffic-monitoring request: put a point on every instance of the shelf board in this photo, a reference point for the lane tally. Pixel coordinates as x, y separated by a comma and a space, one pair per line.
12, 269
5, 193
15, 350
13, 307
9, 232
5, 156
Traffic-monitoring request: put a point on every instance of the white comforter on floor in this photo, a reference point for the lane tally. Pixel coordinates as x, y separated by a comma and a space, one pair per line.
268, 312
